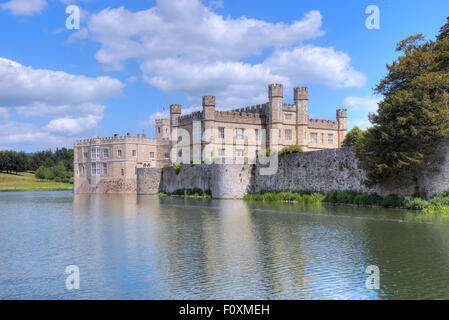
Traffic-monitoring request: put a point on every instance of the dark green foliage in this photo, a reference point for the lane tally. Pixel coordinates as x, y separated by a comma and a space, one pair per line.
286, 196
195, 192
392, 201
352, 137
57, 173
290, 149
413, 118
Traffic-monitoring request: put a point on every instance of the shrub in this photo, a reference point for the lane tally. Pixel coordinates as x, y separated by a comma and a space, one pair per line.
415, 203
177, 168
392, 201
290, 149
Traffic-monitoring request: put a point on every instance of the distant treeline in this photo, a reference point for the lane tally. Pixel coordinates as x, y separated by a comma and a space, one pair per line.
13, 161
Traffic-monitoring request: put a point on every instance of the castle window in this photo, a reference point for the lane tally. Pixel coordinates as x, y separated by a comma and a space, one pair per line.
85, 155
288, 135
158, 129
166, 155
105, 168
257, 135
180, 153
221, 152
221, 133
134, 153
322, 138
239, 133
239, 153
151, 155
179, 139
122, 172
288, 116
94, 168
105, 153
330, 139
313, 138
119, 153
82, 170
95, 153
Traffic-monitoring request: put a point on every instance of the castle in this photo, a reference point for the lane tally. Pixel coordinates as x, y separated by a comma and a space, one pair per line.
110, 164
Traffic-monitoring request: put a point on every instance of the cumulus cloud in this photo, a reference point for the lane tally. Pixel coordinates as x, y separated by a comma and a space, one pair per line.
184, 46
367, 103
74, 102
24, 7
361, 107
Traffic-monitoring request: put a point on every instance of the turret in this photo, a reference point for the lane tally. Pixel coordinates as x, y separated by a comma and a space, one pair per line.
208, 107
162, 129
301, 97
342, 117
175, 113
275, 96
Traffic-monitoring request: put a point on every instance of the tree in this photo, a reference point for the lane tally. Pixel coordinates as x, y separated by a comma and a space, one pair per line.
352, 137
413, 118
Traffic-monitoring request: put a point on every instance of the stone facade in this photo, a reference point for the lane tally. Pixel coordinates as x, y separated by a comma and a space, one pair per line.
240, 133
108, 165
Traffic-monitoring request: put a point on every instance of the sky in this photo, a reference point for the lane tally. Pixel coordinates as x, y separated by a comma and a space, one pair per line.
128, 59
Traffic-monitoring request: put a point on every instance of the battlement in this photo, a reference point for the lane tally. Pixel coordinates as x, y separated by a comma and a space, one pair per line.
289, 107
188, 118
140, 138
342, 113
208, 101
175, 108
239, 116
162, 122
301, 93
275, 90
323, 124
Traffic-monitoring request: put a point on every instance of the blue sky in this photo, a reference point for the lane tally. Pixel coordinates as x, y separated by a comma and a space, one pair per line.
129, 58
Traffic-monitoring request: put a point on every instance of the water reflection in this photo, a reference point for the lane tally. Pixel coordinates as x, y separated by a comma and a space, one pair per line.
146, 247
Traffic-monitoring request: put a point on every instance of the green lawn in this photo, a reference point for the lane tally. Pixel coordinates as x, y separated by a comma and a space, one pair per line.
26, 181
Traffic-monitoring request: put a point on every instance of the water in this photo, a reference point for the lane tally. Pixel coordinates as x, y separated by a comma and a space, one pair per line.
145, 247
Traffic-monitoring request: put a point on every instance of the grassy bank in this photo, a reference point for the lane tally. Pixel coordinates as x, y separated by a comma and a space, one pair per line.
191, 193
26, 181
286, 196
438, 204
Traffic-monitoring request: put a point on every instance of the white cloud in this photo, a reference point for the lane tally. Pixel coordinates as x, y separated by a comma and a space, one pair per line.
360, 107
4, 114
73, 126
367, 103
24, 7
184, 46
75, 102
316, 65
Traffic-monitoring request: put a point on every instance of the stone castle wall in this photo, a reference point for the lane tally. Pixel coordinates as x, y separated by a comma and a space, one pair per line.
324, 171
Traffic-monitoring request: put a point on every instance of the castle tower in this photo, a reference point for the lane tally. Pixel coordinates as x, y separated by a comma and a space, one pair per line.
275, 113
208, 124
175, 113
342, 117
301, 97
162, 129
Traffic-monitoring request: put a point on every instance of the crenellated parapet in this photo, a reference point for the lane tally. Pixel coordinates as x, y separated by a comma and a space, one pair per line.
238, 116
116, 139
189, 118
323, 124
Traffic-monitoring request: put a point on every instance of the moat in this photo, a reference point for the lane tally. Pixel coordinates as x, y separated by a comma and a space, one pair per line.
149, 247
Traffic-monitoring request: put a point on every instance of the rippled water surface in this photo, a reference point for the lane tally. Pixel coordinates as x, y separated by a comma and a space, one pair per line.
145, 247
